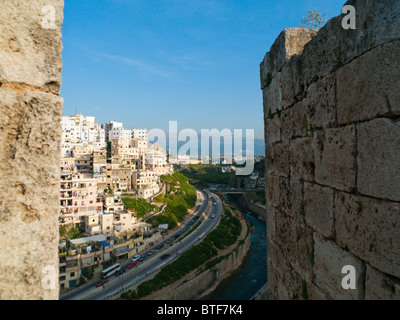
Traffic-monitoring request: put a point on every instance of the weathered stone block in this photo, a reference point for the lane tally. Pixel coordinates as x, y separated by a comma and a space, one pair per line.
272, 96
275, 282
329, 262
379, 286
320, 103
321, 55
318, 203
283, 281
302, 162
272, 190
335, 158
369, 229
291, 82
301, 257
290, 42
379, 158
31, 54
272, 130
377, 23
270, 221
295, 198
30, 138
293, 122
369, 86
279, 160
315, 293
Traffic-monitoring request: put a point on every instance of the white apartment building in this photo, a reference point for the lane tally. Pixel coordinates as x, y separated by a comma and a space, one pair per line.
119, 133
139, 134
156, 160
80, 130
145, 183
109, 126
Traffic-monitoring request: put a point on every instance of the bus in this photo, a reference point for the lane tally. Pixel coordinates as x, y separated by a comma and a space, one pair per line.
106, 273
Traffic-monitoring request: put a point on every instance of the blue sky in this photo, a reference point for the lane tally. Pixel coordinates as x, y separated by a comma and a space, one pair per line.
146, 62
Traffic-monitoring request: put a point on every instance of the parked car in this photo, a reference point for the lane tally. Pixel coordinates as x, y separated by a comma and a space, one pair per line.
136, 258
101, 283
151, 252
132, 264
142, 258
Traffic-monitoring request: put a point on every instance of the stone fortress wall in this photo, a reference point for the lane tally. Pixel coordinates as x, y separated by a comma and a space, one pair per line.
30, 137
332, 127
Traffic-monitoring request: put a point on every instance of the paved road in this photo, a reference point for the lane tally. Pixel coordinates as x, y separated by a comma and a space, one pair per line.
153, 263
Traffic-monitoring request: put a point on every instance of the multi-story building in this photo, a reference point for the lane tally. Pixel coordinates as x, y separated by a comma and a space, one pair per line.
109, 126
139, 134
82, 254
146, 183
100, 167
78, 198
156, 160
119, 133
80, 130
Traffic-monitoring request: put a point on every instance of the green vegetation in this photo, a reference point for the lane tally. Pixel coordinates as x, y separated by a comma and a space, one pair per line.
223, 236
89, 273
108, 146
183, 198
141, 206
270, 116
302, 210
227, 231
70, 232
304, 293
278, 112
268, 80
202, 175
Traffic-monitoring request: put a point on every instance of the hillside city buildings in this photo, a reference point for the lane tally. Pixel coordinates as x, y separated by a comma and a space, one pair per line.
98, 164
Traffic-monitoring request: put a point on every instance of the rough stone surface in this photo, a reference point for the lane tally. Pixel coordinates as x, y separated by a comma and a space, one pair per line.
273, 130
379, 286
290, 42
329, 262
291, 85
320, 103
30, 137
294, 122
302, 163
371, 93
335, 158
318, 204
273, 95
29, 53
369, 228
379, 158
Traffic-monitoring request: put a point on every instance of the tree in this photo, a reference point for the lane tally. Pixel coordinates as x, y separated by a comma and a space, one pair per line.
314, 20
89, 273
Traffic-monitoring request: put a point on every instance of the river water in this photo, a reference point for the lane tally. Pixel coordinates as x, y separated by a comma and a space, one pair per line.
252, 274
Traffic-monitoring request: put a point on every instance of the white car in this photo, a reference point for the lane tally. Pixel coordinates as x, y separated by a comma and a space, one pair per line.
136, 258
213, 216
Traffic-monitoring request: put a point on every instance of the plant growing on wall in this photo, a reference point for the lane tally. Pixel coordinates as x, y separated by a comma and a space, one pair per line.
314, 20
